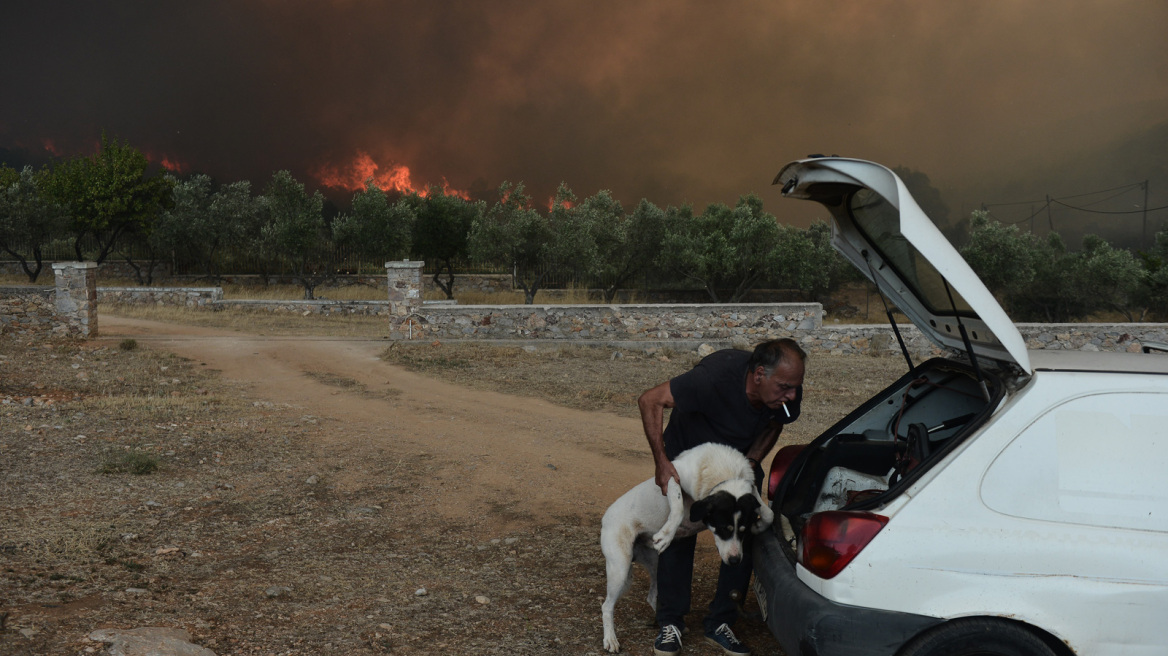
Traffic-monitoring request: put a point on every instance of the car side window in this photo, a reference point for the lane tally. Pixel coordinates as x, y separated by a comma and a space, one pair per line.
1099, 460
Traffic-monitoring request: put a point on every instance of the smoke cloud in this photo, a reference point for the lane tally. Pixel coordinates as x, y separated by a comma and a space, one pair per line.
676, 102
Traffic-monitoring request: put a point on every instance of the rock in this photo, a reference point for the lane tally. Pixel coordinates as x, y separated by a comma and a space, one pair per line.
277, 591
137, 591
420, 592
483, 600
149, 641
704, 350
312, 480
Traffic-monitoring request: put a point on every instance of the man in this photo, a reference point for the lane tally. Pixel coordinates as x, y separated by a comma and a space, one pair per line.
731, 397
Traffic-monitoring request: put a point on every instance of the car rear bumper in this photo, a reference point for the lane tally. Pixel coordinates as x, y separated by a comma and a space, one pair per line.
807, 624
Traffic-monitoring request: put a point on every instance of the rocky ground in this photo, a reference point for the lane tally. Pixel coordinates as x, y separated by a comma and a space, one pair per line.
304, 496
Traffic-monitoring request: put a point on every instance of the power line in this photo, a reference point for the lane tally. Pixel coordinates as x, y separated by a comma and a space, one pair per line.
1089, 193
1083, 209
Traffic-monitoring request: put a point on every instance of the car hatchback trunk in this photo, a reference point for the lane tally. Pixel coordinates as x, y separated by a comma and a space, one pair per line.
876, 452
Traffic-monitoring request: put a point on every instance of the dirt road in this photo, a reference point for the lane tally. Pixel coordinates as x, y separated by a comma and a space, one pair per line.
541, 461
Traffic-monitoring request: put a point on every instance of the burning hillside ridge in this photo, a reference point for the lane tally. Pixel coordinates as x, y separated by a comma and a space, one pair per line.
395, 177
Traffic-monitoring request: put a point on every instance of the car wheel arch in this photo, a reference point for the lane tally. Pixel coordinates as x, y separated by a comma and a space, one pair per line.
939, 639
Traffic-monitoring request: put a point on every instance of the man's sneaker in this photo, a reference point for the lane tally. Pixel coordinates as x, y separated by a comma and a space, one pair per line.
724, 638
668, 642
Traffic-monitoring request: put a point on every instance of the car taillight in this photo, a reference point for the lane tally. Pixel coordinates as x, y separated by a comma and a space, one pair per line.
779, 465
830, 540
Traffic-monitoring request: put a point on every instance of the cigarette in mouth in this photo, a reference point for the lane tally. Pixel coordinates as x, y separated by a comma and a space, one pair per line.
786, 411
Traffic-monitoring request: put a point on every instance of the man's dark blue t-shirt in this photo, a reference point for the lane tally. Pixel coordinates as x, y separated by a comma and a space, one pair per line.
710, 405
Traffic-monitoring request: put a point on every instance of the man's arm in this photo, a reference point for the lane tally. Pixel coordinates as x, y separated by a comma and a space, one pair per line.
764, 442
652, 405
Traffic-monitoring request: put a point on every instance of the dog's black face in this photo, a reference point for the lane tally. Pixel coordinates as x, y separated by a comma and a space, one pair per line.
729, 518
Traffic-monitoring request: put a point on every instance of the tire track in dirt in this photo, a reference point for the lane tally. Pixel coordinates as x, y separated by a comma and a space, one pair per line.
497, 457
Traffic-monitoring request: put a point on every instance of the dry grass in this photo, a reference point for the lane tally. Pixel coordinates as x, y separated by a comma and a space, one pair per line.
610, 380
258, 322
230, 511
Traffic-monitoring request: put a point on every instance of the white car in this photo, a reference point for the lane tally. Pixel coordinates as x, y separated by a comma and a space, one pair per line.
999, 501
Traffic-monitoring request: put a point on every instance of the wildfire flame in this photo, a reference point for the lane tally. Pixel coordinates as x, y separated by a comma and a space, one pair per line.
396, 177
172, 165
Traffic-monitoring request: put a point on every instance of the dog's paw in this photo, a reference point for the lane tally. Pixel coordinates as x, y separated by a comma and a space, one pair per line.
611, 644
662, 540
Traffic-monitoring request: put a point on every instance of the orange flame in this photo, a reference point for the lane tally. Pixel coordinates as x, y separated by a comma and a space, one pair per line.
566, 204
363, 168
173, 165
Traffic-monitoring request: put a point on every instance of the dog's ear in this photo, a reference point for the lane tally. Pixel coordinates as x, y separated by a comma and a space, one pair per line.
699, 510
748, 503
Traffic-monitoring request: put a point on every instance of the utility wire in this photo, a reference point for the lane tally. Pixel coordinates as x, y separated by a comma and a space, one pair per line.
1083, 209
1089, 193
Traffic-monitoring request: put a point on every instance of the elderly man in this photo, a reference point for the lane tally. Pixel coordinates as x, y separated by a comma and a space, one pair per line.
732, 397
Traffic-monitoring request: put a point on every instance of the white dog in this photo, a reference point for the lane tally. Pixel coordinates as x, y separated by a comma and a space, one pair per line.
720, 495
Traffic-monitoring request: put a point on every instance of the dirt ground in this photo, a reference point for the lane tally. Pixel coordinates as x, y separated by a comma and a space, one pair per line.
329, 495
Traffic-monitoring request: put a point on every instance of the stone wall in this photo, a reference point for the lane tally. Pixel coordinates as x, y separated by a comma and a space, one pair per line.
27, 310
306, 308
615, 322
880, 340
68, 309
176, 296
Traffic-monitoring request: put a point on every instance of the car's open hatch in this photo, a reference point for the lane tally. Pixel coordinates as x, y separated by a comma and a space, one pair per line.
878, 226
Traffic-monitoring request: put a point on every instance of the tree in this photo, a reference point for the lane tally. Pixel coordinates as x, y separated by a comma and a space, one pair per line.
805, 260
236, 217
512, 232
1106, 277
29, 218
442, 231
109, 195
1152, 294
571, 246
1002, 257
375, 228
722, 248
626, 244
297, 232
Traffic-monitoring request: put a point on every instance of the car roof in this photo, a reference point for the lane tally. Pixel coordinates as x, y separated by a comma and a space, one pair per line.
1146, 363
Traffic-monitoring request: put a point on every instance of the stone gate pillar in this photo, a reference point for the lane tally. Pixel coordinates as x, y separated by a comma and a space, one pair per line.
77, 297
404, 281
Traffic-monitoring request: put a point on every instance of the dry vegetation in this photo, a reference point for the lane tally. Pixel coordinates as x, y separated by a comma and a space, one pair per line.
140, 490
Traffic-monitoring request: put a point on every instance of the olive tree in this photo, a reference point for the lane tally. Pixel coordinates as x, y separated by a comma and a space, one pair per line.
297, 232
511, 231
722, 248
29, 218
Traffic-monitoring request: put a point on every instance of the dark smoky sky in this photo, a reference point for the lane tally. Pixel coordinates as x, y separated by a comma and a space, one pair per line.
672, 101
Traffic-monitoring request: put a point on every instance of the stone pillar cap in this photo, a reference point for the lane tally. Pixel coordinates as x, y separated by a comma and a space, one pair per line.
405, 264
75, 265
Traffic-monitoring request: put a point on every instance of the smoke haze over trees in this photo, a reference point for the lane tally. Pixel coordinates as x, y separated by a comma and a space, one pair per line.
680, 102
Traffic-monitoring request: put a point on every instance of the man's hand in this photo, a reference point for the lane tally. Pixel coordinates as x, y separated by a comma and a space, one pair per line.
664, 472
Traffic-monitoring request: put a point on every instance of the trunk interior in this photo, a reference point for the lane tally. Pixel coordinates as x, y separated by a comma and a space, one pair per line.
878, 450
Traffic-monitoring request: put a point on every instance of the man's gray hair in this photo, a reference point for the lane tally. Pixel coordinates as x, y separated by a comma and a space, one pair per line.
771, 354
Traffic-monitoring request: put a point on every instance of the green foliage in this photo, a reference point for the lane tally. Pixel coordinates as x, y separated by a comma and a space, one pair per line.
626, 245
442, 230
109, 195
514, 233
1153, 292
374, 227
132, 462
29, 218
296, 231
1039, 279
722, 248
